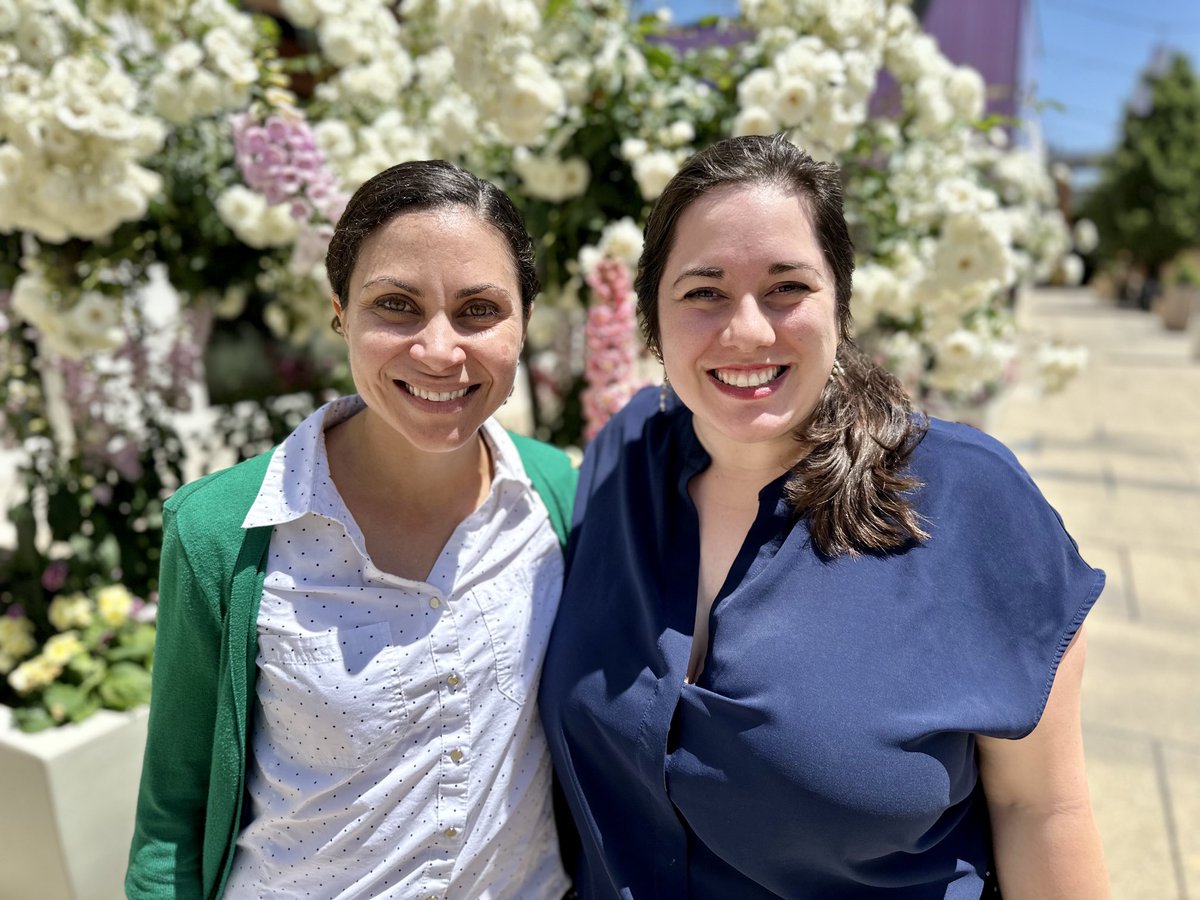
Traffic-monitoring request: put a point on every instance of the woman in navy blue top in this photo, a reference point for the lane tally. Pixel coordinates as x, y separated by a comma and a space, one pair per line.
807, 639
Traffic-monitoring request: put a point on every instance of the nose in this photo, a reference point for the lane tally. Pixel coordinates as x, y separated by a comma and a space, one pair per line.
438, 346
749, 325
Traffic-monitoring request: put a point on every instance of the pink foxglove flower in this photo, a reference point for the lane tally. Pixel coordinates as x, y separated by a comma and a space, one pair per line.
280, 159
611, 345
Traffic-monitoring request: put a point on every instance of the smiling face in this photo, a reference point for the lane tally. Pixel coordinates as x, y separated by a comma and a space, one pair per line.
434, 326
747, 318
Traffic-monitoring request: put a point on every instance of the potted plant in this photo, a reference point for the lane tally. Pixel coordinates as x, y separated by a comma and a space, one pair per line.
1182, 296
70, 792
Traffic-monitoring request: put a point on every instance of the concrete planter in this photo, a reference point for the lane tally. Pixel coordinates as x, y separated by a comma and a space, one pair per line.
1174, 306
1194, 324
67, 807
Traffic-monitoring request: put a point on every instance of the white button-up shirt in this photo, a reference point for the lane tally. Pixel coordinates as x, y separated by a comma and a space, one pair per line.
397, 750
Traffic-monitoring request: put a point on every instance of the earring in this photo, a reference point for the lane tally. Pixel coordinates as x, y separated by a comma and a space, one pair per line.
837, 371
663, 392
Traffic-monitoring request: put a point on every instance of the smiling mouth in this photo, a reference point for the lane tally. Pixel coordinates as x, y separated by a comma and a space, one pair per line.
437, 396
748, 378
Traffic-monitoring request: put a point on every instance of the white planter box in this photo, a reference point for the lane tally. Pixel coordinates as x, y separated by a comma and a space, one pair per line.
67, 807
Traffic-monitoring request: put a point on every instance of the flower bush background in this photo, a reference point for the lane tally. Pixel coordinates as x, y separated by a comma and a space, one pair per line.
170, 171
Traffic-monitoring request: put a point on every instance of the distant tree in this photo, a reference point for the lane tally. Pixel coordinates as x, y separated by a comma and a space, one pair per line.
1148, 200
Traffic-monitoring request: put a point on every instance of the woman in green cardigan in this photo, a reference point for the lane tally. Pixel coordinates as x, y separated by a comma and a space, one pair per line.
351, 626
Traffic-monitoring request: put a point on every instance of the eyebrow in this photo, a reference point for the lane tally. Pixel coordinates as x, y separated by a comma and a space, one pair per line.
778, 268
408, 287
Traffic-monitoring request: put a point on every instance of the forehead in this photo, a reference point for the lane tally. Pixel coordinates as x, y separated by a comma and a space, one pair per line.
435, 237
745, 222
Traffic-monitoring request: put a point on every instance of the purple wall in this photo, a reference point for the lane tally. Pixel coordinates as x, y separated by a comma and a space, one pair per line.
987, 35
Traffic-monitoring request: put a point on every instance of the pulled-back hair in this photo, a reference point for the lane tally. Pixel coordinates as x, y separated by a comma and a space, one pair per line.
852, 482
418, 187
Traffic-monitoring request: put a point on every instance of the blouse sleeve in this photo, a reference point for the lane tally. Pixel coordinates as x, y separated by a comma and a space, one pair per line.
1021, 588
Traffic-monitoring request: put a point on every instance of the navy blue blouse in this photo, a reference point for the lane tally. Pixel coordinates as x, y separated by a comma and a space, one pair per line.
827, 749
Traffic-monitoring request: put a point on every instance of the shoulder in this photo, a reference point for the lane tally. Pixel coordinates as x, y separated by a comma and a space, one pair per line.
639, 424
959, 457
546, 458
222, 499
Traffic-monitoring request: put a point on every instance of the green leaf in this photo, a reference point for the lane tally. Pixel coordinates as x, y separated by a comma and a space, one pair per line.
127, 685
65, 702
32, 718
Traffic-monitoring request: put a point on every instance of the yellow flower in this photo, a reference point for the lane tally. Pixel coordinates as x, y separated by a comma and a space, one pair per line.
115, 603
16, 637
62, 648
33, 674
71, 611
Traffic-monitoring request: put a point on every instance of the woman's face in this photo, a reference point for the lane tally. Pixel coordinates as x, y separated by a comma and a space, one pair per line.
434, 325
747, 317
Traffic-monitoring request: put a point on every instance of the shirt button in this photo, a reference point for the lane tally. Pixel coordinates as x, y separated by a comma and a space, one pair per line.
451, 832
456, 755
452, 680
435, 602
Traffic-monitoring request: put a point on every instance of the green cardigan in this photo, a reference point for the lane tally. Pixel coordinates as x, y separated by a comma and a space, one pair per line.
193, 776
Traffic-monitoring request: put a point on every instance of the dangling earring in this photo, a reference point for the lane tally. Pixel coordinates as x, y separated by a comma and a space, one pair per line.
663, 392
837, 371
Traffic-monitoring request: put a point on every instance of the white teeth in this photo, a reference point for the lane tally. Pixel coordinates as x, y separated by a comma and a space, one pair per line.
436, 396
743, 378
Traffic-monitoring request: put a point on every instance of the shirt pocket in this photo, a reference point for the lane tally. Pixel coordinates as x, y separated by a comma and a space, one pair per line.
331, 699
518, 609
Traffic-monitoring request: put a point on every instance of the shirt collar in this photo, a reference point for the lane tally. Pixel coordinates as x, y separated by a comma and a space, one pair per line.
300, 467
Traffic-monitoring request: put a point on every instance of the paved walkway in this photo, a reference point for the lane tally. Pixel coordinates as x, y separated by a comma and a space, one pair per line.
1118, 454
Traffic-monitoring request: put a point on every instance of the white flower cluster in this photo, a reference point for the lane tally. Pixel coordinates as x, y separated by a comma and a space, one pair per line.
254, 221
620, 240
70, 327
70, 143
938, 92
494, 44
364, 42
817, 81
357, 152
210, 73
550, 178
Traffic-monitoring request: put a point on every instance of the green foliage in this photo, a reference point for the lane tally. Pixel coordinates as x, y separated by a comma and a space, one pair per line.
1148, 199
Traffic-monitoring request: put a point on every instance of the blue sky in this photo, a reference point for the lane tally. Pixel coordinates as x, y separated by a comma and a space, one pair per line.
1085, 55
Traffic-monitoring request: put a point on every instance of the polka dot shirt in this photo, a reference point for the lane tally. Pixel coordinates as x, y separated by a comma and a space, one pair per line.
396, 747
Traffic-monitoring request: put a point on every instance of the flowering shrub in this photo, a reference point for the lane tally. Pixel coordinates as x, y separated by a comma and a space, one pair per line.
170, 173
80, 653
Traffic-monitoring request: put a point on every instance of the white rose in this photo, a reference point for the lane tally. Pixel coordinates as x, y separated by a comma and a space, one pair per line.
40, 38
678, 133
9, 16
454, 123
182, 58
340, 41
754, 120
653, 171
794, 101
206, 94
301, 13
758, 88
965, 91
622, 240
633, 149
1087, 236
238, 207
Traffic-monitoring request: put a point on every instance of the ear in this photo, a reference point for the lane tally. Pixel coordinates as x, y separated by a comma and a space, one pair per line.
339, 318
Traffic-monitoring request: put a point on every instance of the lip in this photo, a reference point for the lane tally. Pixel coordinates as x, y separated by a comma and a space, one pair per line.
436, 406
757, 392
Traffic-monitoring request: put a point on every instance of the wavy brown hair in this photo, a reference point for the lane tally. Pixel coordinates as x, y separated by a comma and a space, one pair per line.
852, 482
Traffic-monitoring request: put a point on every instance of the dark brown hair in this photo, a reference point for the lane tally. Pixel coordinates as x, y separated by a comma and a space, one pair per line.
852, 483
417, 187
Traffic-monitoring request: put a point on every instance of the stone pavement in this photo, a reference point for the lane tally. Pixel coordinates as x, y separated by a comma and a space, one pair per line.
1118, 455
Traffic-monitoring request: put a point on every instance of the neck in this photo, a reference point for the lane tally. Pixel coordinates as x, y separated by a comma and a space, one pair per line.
746, 467
367, 452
